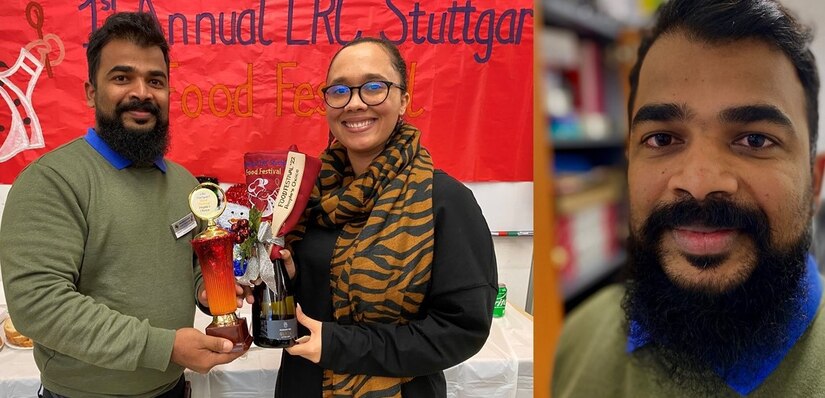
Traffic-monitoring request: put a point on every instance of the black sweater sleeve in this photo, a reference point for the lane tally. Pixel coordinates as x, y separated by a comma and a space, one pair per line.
457, 312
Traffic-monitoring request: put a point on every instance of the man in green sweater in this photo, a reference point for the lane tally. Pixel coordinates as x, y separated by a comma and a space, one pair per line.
92, 270
722, 297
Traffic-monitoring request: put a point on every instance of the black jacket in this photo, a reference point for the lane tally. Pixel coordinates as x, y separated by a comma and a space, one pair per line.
455, 316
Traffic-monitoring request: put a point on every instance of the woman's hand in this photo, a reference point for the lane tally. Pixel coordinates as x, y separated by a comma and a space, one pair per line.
308, 347
289, 263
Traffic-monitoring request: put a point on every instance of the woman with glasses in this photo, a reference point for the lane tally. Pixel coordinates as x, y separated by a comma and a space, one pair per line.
394, 268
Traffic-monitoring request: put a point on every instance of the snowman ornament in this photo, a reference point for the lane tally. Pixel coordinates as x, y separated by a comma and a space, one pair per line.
235, 218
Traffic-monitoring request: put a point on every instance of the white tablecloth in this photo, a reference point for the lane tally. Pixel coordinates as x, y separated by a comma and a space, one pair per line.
502, 369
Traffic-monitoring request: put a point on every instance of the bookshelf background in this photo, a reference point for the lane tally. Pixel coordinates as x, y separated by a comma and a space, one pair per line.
586, 50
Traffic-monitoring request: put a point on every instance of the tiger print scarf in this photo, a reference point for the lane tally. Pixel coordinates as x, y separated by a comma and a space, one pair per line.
382, 259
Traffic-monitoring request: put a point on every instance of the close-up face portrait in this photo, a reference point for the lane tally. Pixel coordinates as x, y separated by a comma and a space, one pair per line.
731, 128
720, 186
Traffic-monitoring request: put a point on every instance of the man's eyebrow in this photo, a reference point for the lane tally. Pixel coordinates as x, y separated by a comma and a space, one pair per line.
157, 73
755, 113
660, 113
130, 69
121, 68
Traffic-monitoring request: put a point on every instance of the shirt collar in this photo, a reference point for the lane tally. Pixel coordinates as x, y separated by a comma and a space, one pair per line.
115, 159
744, 377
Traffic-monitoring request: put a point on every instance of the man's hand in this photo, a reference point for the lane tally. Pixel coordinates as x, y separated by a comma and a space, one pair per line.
199, 352
242, 293
308, 347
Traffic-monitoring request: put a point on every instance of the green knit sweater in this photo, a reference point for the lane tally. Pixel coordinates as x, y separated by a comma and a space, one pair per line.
592, 361
94, 274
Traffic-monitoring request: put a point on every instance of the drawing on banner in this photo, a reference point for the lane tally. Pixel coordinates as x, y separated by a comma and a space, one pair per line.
45, 44
25, 131
258, 189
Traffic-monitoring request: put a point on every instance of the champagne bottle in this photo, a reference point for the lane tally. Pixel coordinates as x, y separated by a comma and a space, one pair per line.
274, 324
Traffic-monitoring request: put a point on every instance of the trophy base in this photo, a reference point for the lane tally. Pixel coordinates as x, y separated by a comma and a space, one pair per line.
238, 334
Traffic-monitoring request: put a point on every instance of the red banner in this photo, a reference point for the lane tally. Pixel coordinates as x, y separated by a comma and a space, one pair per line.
245, 77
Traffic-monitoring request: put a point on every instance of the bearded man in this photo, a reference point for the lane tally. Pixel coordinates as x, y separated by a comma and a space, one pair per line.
722, 297
92, 271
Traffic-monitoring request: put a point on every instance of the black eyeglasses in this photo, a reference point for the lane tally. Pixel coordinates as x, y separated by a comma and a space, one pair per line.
371, 93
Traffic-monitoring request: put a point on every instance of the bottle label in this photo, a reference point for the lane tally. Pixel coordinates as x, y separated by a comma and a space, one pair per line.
501, 301
279, 329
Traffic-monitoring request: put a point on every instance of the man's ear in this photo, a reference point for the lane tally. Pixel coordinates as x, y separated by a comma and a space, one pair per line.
89, 88
819, 168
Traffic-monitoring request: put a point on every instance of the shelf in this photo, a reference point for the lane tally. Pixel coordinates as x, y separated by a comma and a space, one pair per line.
581, 18
613, 142
570, 288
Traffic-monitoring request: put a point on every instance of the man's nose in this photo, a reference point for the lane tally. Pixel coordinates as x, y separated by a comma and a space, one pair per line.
141, 91
705, 171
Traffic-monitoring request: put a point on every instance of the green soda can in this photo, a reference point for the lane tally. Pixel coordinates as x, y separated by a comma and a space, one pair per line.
501, 299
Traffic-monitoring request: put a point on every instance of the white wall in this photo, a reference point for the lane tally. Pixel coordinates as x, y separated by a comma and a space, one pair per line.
507, 207
4, 190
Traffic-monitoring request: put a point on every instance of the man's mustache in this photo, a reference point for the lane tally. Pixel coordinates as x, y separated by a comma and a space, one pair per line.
135, 105
713, 212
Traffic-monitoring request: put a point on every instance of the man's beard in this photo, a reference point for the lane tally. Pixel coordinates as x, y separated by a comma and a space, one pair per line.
140, 146
696, 333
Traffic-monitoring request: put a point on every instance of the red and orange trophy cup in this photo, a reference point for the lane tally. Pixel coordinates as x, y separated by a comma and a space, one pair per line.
213, 247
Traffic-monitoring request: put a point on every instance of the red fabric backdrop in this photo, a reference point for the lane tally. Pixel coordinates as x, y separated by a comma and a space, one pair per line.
245, 76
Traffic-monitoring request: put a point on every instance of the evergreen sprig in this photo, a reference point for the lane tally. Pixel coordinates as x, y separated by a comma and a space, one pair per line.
247, 247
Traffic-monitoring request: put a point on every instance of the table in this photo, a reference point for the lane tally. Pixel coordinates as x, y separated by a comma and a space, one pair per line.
502, 369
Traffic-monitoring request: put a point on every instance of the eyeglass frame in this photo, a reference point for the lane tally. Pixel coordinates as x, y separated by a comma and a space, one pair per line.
353, 88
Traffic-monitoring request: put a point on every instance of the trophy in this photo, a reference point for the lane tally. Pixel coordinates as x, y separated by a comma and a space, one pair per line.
214, 250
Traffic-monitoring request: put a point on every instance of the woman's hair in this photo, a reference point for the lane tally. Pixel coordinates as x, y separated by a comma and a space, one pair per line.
398, 62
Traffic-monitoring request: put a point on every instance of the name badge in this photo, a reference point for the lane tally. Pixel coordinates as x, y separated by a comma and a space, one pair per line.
184, 225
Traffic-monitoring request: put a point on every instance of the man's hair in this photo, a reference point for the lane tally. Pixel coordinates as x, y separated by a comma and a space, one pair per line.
137, 27
723, 22
397, 60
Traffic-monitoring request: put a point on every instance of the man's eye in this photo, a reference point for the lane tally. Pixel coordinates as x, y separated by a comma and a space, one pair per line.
659, 140
755, 141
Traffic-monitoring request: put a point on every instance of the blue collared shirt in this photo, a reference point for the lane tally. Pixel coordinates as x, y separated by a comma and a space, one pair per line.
744, 377
115, 159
